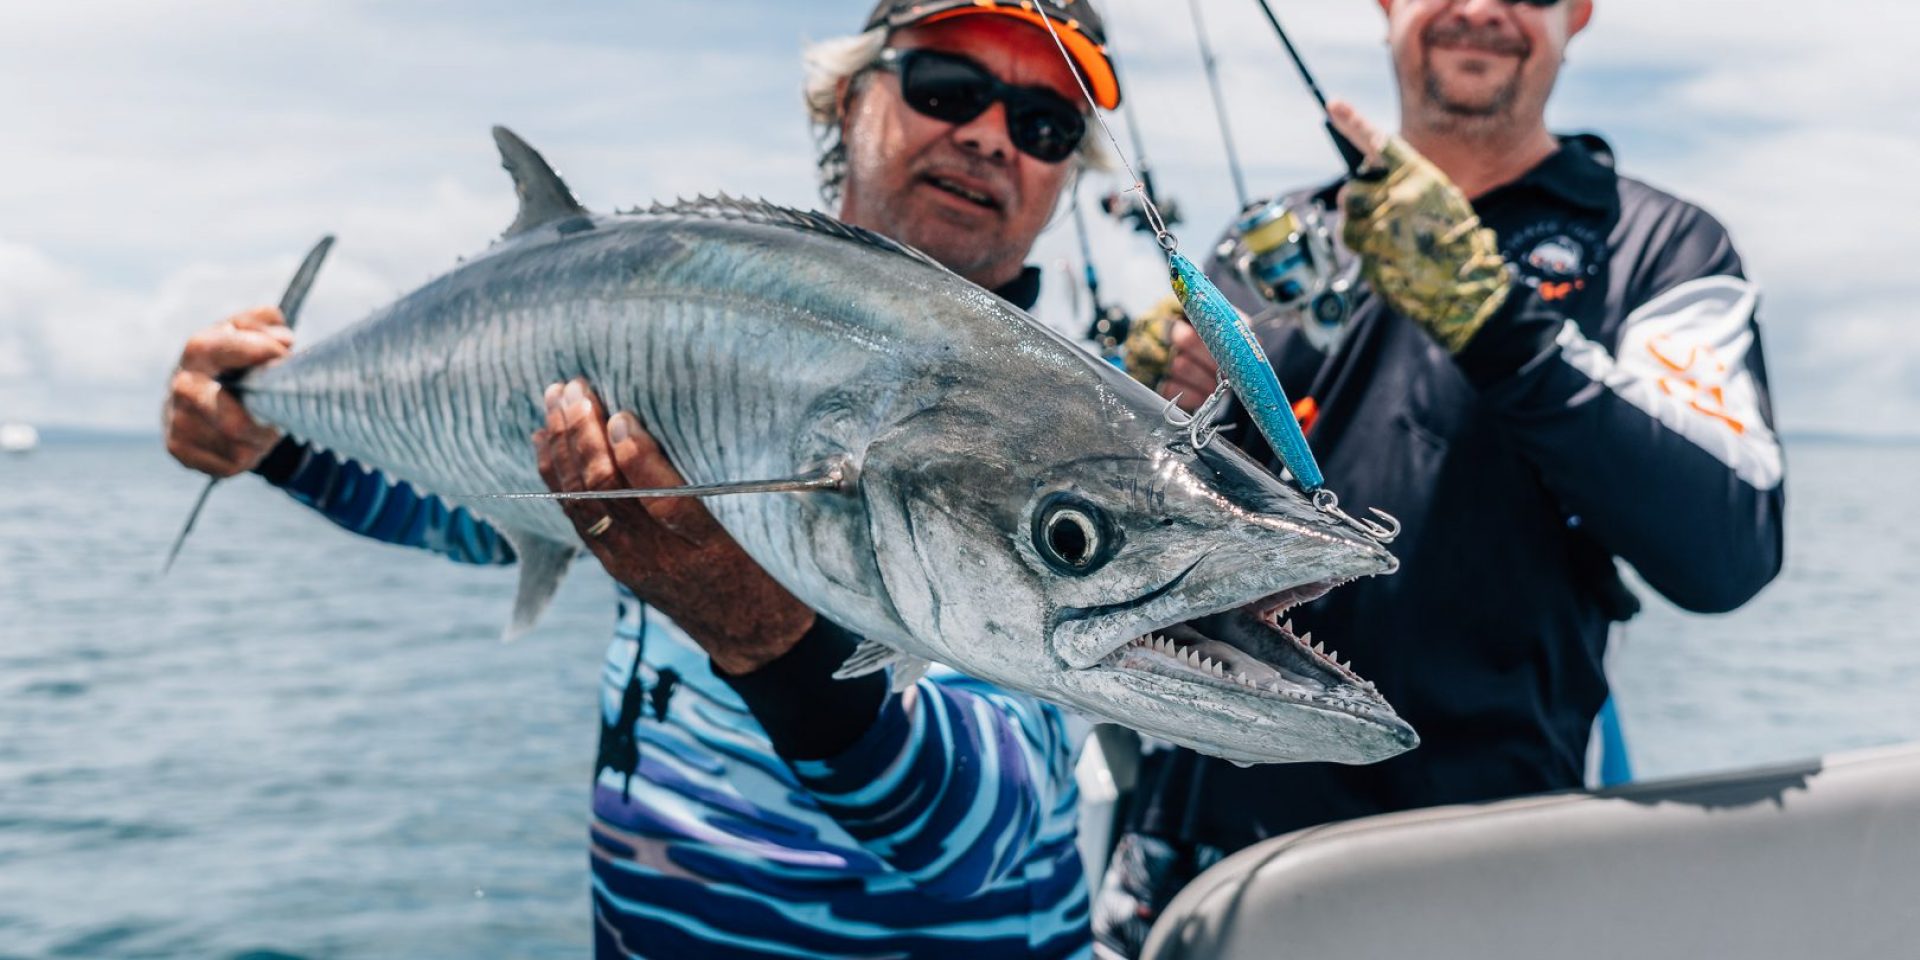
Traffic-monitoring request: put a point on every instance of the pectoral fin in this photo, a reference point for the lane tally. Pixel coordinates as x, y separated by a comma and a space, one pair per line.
543, 564
872, 655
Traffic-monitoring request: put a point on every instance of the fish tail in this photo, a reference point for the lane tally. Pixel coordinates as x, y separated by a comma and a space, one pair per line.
290, 303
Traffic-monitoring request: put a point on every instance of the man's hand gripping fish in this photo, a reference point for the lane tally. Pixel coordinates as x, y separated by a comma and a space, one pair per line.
911, 456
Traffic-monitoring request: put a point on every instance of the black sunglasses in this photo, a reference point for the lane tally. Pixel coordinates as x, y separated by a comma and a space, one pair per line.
952, 88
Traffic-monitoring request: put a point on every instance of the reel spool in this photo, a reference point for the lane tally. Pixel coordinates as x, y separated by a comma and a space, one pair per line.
1285, 252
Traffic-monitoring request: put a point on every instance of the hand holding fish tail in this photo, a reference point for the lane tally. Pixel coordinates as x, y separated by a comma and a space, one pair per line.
670, 552
1421, 244
205, 426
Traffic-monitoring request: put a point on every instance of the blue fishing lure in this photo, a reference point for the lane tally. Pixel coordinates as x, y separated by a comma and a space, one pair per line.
1244, 367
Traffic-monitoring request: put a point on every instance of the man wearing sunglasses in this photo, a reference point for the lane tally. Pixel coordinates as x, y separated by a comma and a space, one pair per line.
746, 804
1548, 368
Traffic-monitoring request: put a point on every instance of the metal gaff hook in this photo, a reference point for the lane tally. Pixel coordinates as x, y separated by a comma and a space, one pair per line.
1383, 532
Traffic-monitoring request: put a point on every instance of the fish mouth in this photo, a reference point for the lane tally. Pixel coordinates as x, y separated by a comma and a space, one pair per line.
1253, 651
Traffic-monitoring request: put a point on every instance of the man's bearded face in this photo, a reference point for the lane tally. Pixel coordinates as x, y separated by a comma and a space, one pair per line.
1472, 69
1481, 62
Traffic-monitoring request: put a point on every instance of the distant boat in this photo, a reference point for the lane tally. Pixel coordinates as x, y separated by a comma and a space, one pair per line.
18, 438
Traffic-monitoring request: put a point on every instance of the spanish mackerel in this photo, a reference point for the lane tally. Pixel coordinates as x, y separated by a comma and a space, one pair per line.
962, 485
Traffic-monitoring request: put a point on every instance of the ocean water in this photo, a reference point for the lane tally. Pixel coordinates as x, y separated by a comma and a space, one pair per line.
302, 745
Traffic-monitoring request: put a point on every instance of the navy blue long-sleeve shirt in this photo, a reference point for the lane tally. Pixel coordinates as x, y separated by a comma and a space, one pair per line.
1616, 409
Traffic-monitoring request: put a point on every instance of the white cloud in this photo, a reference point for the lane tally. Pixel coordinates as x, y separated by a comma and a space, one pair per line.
73, 352
173, 157
186, 152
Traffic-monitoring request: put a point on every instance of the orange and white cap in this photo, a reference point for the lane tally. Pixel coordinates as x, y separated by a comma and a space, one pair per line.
1076, 21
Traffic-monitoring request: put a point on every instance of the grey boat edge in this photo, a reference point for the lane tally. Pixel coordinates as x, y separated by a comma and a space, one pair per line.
1820, 858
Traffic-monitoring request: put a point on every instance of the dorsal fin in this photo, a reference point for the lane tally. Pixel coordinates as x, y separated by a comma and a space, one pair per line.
544, 197
723, 207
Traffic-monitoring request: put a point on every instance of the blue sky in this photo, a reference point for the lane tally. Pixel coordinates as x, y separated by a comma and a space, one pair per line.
169, 160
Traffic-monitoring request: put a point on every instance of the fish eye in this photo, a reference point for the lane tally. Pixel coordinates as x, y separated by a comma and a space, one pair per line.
1072, 535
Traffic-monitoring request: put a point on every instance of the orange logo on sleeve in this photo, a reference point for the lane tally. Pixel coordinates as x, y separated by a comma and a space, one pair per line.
1696, 375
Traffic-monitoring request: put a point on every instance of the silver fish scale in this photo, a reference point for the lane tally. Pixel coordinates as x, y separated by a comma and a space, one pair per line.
741, 367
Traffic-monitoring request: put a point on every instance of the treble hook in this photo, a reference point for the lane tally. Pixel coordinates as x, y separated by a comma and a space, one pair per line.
1173, 414
1383, 532
1200, 426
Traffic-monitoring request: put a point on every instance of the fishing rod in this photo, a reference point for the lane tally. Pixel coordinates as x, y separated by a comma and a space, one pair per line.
1110, 324
1348, 152
1219, 102
1133, 133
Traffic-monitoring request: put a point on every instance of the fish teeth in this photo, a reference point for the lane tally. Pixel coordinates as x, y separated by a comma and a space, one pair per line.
1320, 648
1288, 626
1307, 637
1242, 678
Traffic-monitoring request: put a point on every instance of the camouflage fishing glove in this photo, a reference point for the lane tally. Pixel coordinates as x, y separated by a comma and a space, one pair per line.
1422, 247
1149, 347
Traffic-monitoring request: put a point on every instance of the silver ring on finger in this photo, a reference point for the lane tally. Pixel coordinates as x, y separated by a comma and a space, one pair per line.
600, 527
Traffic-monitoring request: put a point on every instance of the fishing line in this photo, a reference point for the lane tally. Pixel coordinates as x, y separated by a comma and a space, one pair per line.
1161, 234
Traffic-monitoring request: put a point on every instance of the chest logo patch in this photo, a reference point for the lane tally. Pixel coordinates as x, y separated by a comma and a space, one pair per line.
1557, 256
1558, 259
